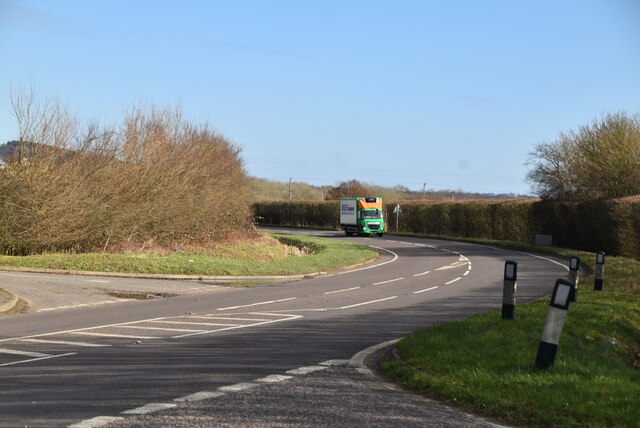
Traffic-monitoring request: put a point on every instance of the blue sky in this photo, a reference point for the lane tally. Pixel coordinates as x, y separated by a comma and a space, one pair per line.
454, 94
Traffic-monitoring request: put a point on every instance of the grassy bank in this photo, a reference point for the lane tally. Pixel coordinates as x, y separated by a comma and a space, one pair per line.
290, 255
486, 365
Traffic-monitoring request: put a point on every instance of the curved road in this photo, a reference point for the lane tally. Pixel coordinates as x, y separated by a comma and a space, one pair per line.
271, 356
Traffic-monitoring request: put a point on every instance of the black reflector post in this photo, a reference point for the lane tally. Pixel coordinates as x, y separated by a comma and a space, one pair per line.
509, 290
597, 285
553, 324
574, 268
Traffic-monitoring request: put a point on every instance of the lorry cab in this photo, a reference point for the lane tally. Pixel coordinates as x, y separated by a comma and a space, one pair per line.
361, 216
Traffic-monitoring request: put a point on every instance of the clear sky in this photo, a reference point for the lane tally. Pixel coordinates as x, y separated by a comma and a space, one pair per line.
454, 94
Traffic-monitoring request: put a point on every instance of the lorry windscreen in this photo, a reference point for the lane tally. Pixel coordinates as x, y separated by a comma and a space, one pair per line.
371, 214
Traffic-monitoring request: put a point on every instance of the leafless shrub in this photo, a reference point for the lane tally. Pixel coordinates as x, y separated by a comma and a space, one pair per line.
155, 180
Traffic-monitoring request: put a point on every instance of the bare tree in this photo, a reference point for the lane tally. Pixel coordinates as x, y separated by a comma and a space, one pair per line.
600, 160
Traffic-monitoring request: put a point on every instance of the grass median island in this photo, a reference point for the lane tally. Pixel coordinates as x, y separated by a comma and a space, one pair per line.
273, 254
486, 364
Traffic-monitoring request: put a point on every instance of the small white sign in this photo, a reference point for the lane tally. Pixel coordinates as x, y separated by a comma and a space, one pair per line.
397, 210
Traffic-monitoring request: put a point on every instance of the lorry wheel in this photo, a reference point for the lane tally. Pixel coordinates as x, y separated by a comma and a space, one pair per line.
379, 234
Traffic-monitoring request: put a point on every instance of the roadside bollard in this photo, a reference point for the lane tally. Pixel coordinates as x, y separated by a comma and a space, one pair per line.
574, 268
509, 290
553, 325
597, 286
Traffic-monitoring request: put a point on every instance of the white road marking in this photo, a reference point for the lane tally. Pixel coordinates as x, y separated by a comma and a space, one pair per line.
205, 317
23, 353
452, 266
122, 336
342, 291
453, 280
368, 303
98, 421
199, 396
64, 342
235, 327
159, 328
149, 408
426, 289
100, 281
273, 379
306, 370
196, 323
238, 387
423, 273
466, 273
256, 304
37, 359
334, 363
395, 257
386, 282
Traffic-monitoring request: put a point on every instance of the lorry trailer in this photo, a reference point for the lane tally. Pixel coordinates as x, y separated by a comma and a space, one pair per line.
361, 216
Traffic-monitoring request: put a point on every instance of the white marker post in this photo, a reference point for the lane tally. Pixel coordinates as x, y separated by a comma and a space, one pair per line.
597, 286
574, 268
509, 290
553, 325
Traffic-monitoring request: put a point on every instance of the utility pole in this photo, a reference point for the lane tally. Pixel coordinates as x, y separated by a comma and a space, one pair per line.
423, 190
290, 178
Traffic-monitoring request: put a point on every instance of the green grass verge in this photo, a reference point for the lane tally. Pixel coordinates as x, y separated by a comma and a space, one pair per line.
486, 365
326, 255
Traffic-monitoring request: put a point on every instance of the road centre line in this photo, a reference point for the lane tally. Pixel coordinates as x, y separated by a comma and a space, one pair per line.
387, 282
23, 353
80, 330
453, 280
64, 342
215, 324
368, 303
205, 317
423, 273
122, 336
159, 328
235, 327
426, 289
342, 291
37, 359
256, 304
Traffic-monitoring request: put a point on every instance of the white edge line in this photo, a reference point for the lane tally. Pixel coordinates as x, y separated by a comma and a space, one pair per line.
369, 302
426, 289
453, 280
37, 359
395, 257
98, 421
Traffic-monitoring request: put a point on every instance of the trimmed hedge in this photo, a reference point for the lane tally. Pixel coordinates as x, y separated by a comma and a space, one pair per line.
609, 225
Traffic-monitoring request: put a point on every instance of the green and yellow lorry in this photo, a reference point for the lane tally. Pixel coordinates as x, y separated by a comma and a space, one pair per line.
361, 216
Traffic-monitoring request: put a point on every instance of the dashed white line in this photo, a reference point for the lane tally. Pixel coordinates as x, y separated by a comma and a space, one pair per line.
342, 291
256, 304
426, 289
23, 353
158, 328
121, 336
423, 273
453, 280
98, 421
273, 379
368, 303
199, 396
37, 359
149, 408
238, 387
306, 370
387, 282
65, 342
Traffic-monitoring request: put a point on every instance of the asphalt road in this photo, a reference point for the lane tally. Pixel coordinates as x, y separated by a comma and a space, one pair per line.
264, 356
